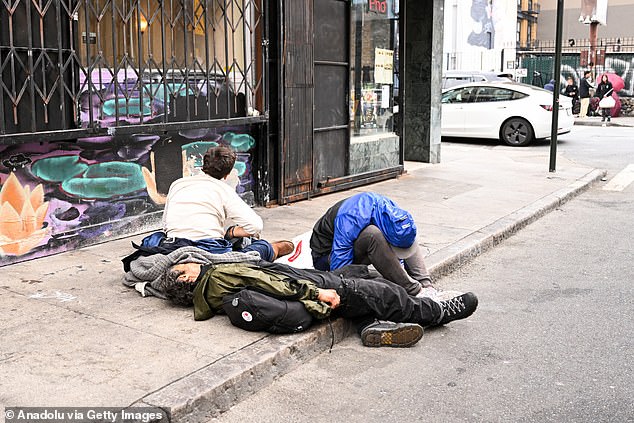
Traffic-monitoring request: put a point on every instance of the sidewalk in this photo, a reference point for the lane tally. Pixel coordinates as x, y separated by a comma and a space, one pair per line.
73, 335
626, 121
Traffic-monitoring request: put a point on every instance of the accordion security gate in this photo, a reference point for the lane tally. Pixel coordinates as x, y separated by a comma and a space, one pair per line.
104, 103
82, 68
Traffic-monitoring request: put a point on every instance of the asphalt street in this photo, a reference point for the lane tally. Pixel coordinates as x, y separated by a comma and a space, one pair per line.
550, 342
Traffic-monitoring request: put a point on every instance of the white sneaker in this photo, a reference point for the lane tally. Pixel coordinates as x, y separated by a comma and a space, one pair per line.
447, 295
428, 292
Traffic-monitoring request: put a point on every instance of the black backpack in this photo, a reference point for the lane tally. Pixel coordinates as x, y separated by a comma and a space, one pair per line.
253, 310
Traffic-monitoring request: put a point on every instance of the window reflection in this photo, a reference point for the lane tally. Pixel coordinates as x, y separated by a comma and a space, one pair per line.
374, 39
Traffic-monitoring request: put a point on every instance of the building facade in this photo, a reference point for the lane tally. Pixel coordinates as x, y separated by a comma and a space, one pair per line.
527, 19
596, 36
105, 103
480, 35
618, 24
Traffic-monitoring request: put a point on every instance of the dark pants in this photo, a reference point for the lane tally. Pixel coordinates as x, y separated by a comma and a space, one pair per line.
371, 247
367, 299
211, 245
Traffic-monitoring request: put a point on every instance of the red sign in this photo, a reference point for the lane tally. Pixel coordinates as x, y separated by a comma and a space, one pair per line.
378, 6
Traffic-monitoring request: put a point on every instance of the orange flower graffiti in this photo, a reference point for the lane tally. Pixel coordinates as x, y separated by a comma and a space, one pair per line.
22, 214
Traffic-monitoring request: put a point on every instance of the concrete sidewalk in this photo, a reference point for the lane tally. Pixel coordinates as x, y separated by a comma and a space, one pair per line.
626, 121
73, 335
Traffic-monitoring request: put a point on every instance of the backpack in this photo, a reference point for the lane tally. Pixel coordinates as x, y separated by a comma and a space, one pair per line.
255, 311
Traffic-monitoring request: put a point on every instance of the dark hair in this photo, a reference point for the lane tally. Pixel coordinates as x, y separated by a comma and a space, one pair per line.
586, 73
179, 292
218, 161
605, 75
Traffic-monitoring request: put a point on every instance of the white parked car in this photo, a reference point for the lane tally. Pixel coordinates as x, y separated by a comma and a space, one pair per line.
515, 113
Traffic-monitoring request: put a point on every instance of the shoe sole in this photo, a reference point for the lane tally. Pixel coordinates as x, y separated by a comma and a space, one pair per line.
402, 337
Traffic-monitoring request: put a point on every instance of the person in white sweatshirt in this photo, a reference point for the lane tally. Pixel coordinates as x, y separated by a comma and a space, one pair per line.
201, 209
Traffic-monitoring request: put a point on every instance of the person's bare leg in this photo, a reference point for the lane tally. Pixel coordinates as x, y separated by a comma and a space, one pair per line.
282, 248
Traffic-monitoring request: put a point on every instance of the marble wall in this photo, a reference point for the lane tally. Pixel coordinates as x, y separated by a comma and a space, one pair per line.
374, 153
421, 79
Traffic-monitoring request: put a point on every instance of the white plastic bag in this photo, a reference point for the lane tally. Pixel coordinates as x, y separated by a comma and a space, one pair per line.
300, 257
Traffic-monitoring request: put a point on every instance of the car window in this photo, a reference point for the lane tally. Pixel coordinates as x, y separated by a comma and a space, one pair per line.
459, 95
485, 94
452, 81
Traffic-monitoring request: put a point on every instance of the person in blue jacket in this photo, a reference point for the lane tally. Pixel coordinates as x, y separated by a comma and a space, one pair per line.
369, 228
550, 86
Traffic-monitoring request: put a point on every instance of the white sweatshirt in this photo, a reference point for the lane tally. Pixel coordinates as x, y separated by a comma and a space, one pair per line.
200, 206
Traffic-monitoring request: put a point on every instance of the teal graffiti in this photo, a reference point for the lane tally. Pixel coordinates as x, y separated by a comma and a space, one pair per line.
197, 150
58, 169
130, 107
241, 167
106, 180
176, 90
239, 142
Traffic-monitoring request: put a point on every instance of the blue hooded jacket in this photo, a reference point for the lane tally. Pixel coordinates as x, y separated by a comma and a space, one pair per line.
362, 210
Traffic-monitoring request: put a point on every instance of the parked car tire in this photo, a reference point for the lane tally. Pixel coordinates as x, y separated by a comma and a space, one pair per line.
517, 132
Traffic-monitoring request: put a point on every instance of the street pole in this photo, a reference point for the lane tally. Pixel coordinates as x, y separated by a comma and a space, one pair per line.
594, 30
555, 121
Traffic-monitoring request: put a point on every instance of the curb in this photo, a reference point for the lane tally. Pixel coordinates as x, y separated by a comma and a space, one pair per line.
450, 258
216, 387
599, 123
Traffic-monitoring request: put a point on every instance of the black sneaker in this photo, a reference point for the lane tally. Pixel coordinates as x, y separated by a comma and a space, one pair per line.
457, 308
389, 334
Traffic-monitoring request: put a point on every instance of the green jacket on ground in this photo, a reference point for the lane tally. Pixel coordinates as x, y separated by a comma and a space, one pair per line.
216, 281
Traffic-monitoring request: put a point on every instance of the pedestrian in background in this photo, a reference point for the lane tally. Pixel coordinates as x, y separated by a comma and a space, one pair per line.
572, 91
584, 93
550, 86
604, 90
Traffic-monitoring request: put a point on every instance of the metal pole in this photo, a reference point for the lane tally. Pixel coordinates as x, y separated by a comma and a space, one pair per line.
555, 121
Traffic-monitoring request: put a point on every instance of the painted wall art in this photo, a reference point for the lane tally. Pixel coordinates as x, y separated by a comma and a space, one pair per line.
59, 196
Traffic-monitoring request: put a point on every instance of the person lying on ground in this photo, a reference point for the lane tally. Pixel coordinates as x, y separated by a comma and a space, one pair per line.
199, 209
323, 294
369, 228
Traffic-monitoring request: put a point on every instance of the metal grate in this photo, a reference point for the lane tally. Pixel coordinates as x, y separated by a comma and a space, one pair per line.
94, 66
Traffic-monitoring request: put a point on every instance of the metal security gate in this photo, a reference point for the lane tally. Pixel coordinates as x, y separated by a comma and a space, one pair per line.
332, 71
298, 99
316, 81
75, 68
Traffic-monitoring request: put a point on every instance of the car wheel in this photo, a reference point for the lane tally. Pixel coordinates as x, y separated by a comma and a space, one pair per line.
517, 132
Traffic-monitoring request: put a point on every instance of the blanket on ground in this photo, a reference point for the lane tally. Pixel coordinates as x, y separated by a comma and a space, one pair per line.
147, 274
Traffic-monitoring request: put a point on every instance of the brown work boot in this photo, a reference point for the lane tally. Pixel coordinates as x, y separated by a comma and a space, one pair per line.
282, 248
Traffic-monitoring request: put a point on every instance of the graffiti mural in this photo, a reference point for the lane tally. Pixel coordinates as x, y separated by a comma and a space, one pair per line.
621, 64
58, 196
483, 33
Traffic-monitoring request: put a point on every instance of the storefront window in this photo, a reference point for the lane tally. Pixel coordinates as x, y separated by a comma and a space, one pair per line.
171, 50
373, 82
113, 63
373, 42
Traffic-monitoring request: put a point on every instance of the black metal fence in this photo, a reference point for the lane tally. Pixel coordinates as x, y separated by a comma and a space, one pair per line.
612, 55
609, 45
71, 68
